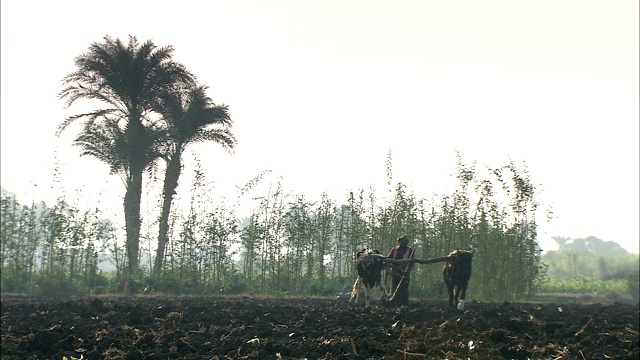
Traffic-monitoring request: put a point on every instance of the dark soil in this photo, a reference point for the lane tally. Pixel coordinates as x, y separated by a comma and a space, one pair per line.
319, 328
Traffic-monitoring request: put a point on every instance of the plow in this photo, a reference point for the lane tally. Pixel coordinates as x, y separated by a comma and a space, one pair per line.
456, 273
390, 295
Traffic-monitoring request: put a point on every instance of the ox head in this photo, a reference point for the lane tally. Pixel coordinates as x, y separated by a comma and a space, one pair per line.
366, 256
462, 255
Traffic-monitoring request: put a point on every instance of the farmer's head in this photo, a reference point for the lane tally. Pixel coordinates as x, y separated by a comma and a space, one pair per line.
403, 240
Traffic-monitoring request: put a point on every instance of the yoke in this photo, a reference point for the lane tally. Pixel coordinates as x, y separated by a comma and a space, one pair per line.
434, 260
409, 261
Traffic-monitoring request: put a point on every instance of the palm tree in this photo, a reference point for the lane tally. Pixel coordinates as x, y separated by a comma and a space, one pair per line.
191, 117
130, 79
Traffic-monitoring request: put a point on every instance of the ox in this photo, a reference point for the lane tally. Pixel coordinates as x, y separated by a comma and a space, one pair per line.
457, 272
369, 263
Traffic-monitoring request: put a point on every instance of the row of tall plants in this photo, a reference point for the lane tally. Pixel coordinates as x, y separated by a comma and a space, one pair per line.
52, 249
285, 243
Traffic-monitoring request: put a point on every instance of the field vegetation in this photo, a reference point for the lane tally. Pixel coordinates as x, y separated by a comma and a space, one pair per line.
278, 249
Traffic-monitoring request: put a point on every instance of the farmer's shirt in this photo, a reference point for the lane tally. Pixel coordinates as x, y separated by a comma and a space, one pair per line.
401, 253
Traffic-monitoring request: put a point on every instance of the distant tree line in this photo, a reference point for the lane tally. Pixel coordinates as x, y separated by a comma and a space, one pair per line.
594, 265
579, 272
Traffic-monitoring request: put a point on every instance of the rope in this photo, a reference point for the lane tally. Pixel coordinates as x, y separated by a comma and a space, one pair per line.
386, 279
397, 287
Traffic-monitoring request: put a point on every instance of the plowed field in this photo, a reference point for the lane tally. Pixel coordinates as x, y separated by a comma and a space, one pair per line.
146, 327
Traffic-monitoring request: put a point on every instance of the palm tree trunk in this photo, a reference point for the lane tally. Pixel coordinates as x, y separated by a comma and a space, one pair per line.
169, 189
132, 199
133, 194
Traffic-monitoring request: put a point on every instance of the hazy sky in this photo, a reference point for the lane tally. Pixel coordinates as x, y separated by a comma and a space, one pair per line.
321, 90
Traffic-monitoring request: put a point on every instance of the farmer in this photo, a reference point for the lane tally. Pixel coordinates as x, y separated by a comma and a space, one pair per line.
401, 272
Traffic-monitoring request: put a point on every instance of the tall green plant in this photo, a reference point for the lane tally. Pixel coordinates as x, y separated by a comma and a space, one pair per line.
324, 230
298, 230
20, 239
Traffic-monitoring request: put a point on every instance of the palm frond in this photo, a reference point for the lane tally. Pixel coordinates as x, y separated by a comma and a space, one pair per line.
91, 116
104, 140
222, 137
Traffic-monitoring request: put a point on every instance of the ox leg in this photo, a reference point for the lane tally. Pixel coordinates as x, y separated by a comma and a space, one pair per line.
355, 293
463, 293
450, 291
460, 293
456, 293
367, 295
382, 292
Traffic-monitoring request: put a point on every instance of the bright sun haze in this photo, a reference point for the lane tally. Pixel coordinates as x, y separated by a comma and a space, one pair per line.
320, 91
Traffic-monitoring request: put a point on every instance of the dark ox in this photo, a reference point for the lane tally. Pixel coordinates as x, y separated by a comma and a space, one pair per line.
369, 263
457, 272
